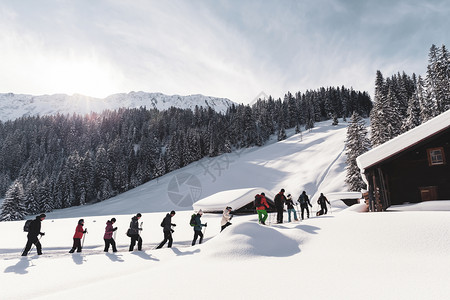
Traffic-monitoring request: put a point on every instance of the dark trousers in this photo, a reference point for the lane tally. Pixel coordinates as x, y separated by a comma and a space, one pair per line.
324, 209
110, 242
32, 240
225, 226
76, 245
167, 237
197, 233
303, 207
279, 215
136, 238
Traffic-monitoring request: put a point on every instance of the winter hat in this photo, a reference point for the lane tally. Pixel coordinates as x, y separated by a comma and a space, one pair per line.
172, 212
263, 194
80, 221
200, 212
229, 208
42, 216
138, 215
282, 191
113, 220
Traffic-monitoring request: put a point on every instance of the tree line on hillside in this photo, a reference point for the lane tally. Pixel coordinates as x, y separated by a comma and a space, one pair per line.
401, 102
59, 161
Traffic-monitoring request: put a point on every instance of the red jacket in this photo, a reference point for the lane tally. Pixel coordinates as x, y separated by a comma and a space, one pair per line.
108, 230
263, 203
78, 232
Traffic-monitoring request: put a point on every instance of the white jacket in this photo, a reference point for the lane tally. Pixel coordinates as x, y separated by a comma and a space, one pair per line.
226, 217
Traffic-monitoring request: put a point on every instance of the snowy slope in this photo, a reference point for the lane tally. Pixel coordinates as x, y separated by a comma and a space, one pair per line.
313, 161
13, 106
343, 255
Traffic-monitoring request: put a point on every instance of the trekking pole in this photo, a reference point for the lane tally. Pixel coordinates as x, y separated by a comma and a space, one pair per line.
114, 234
84, 235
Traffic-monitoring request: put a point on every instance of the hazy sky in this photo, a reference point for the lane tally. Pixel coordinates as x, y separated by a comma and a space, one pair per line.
233, 49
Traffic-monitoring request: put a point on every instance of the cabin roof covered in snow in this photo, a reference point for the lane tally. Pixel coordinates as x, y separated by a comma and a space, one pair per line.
233, 198
404, 141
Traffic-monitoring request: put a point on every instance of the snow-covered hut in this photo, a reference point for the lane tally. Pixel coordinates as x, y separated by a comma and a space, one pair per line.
240, 200
412, 167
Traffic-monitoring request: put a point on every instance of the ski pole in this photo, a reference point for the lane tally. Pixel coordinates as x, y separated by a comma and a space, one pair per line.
84, 235
204, 229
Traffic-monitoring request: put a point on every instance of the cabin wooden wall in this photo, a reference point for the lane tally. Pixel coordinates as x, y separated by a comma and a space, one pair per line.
408, 172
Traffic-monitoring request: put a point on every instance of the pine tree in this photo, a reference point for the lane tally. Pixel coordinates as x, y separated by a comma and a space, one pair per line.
335, 120
357, 143
413, 117
13, 207
282, 134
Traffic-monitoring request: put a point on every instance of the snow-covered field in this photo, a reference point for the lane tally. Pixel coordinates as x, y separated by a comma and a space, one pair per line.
400, 254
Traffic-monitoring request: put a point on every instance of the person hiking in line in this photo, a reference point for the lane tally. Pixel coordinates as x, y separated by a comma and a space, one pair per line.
304, 202
167, 224
280, 199
290, 206
134, 232
108, 236
261, 210
32, 236
226, 218
322, 201
79, 231
198, 228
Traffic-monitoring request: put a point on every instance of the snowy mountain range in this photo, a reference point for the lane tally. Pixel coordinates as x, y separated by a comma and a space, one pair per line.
13, 106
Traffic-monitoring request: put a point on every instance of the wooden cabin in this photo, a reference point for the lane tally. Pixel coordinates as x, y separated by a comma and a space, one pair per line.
411, 168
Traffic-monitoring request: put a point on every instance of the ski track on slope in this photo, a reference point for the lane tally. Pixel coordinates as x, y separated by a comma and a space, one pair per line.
327, 172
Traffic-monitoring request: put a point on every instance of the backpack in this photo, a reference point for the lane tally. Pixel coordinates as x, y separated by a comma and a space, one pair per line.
162, 223
129, 233
26, 226
302, 199
192, 222
257, 201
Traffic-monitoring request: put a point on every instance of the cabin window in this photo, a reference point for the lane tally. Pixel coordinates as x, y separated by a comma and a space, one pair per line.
436, 156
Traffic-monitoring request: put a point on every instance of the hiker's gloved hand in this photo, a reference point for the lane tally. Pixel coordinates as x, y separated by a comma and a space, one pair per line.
85, 231
172, 230
115, 228
42, 233
140, 228
206, 224
174, 225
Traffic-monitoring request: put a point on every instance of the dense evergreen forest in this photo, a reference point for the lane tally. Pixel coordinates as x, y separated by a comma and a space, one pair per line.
51, 162
401, 102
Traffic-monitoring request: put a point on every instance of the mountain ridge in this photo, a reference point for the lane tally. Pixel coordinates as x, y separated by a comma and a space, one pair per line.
13, 106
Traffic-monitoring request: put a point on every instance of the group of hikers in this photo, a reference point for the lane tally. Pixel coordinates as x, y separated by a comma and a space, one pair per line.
34, 227
281, 200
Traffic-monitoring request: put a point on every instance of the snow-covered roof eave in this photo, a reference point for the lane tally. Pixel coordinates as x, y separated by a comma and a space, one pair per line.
234, 198
403, 141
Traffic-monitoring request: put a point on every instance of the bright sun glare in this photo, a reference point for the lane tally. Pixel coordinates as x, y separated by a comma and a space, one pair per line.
83, 76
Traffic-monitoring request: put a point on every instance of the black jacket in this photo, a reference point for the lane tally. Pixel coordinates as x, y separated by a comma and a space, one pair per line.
35, 227
304, 200
323, 201
290, 204
279, 200
134, 225
167, 222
